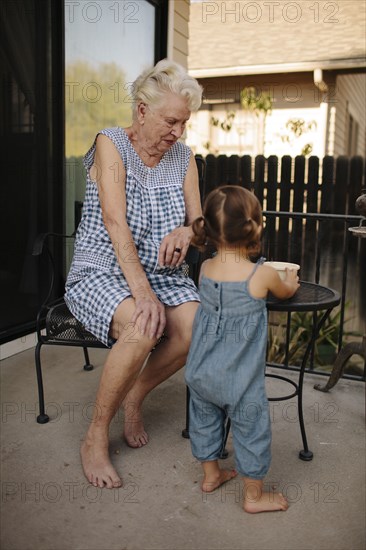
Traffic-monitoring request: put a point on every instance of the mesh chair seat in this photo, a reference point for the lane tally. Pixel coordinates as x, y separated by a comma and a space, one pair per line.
61, 326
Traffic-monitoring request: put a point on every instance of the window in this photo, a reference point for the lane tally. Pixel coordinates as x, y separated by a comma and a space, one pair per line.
107, 45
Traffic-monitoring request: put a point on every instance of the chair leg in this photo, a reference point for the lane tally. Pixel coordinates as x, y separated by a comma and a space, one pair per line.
87, 365
341, 362
42, 418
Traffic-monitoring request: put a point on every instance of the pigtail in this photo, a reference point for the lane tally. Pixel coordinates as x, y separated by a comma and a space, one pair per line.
252, 235
199, 229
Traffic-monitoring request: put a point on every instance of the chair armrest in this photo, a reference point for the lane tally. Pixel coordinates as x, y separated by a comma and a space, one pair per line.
40, 241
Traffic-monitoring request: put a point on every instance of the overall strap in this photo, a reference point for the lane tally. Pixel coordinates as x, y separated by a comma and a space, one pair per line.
257, 264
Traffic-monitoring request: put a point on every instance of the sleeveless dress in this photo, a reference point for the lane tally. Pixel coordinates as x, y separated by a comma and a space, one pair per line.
155, 206
225, 374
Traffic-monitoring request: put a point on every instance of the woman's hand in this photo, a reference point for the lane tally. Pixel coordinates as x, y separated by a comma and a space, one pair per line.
150, 312
174, 246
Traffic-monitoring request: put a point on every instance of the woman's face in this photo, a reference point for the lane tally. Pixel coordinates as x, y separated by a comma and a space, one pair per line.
164, 124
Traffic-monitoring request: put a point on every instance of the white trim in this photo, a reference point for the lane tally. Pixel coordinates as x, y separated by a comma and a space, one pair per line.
171, 9
273, 68
17, 346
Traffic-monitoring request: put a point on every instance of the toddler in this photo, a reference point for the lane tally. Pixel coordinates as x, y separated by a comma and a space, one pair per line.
226, 363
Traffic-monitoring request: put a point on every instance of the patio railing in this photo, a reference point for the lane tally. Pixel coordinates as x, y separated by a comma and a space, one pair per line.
328, 254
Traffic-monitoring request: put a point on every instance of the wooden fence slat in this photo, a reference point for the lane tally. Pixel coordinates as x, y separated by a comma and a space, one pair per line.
211, 180
232, 176
246, 172
310, 236
298, 206
285, 191
327, 185
222, 169
340, 185
271, 204
260, 163
272, 183
312, 185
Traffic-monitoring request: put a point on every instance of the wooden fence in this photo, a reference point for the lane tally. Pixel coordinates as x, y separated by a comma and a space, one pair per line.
330, 186
321, 195
292, 185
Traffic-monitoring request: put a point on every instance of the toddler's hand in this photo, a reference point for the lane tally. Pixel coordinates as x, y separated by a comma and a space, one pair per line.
292, 279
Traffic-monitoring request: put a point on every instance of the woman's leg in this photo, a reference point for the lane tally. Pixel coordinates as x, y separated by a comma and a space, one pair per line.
120, 371
168, 357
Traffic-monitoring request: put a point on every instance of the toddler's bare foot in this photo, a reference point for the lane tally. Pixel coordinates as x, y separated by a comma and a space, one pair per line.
213, 480
96, 463
134, 432
265, 502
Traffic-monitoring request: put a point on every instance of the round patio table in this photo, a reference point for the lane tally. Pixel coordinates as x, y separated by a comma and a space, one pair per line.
309, 297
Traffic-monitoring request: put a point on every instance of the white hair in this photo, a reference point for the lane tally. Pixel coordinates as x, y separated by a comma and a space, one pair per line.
167, 76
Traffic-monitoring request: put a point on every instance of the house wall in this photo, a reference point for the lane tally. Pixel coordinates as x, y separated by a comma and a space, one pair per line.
350, 99
294, 96
178, 31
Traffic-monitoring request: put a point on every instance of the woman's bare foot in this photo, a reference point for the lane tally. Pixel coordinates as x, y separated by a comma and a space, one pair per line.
96, 463
256, 500
214, 476
134, 432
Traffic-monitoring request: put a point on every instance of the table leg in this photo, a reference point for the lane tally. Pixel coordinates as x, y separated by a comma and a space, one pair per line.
306, 454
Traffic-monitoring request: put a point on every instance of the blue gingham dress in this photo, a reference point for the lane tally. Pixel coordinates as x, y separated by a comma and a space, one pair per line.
155, 206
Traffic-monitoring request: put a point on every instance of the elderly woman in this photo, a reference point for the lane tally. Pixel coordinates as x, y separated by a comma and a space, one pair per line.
126, 282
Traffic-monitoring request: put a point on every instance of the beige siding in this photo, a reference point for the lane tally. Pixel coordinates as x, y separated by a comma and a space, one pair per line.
350, 98
178, 30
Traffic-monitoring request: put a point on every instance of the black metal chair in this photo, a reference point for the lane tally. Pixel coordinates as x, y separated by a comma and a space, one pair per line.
56, 326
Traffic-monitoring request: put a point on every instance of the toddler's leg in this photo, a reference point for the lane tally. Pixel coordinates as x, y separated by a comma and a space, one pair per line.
256, 500
215, 476
206, 431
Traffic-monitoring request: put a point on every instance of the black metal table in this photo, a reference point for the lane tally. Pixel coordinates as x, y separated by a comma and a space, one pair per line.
308, 297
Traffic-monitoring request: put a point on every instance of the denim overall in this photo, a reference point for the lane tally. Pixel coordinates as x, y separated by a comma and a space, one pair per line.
225, 374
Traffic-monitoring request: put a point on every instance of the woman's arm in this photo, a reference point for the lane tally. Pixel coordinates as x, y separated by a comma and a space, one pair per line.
181, 236
110, 176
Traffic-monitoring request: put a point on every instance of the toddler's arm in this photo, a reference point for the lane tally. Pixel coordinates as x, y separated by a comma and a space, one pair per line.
279, 288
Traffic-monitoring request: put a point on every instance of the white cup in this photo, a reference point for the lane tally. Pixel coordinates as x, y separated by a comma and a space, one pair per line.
281, 267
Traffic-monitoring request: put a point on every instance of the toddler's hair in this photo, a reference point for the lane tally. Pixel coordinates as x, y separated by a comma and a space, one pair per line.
231, 215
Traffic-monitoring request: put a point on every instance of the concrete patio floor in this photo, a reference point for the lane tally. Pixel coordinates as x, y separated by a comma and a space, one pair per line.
46, 504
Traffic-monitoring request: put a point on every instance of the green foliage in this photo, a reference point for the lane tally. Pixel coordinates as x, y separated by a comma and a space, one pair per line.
298, 126
257, 103
307, 149
326, 345
225, 124
96, 97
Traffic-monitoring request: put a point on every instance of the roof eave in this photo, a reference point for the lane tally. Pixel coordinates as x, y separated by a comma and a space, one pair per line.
303, 66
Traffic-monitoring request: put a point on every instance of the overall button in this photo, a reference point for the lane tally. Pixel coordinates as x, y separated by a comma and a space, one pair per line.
216, 285
216, 308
